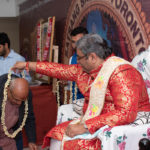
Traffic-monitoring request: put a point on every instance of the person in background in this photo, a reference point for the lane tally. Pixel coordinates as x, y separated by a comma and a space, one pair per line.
142, 63
8, 57
76, 34
113, 89
72, 111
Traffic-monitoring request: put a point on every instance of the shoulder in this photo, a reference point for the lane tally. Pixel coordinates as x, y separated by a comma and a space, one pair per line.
125, 68
17, 56
125, 71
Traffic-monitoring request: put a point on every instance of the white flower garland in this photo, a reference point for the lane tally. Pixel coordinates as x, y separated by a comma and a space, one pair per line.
57, 92
13, 135
65, 93
65, 96
71, 94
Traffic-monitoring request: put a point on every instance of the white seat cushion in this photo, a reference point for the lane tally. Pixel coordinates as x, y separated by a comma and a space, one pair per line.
124, 137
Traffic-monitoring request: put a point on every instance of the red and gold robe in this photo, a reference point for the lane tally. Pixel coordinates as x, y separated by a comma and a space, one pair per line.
126, 95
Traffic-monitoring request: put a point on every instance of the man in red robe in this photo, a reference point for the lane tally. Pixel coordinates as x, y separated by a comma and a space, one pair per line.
123, 96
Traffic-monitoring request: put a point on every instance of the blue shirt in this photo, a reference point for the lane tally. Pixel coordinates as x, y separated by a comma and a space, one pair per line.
9, 61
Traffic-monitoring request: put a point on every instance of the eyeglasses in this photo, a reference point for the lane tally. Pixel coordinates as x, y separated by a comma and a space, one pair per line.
81, 57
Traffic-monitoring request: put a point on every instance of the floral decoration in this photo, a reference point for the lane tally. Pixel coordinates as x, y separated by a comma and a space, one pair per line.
121, 142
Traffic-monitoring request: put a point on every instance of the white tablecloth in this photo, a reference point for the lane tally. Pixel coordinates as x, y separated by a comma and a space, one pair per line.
123, 137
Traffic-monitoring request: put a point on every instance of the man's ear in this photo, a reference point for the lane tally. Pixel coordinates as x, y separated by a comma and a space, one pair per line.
6, 45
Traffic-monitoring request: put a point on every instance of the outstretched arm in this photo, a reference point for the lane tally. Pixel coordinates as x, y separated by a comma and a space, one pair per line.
55, 70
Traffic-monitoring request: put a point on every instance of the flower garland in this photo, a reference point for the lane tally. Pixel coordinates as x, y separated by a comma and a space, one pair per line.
65, 96
71, 94
49, 40
13, 135
65, 93
44, 52
39, 44
57, 92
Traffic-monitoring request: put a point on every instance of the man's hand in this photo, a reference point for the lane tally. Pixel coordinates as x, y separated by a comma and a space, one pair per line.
75, 129
32, 146
19, 66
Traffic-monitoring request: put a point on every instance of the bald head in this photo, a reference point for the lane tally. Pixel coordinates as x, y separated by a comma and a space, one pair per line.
18, 90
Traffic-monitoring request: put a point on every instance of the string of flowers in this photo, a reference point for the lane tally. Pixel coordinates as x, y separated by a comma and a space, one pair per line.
12, 135
65, 93
57, 92
39, 41
51, 41
65, 96
71, 94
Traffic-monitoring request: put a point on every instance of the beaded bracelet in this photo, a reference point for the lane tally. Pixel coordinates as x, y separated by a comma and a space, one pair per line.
27, 66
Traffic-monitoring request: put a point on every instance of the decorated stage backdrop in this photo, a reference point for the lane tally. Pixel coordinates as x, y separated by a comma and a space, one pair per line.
125, 24
122, 23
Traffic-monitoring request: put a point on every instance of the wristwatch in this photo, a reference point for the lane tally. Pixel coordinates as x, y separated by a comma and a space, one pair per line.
85, 126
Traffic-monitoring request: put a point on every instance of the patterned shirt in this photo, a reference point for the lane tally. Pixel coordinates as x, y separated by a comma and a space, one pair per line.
142, 63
